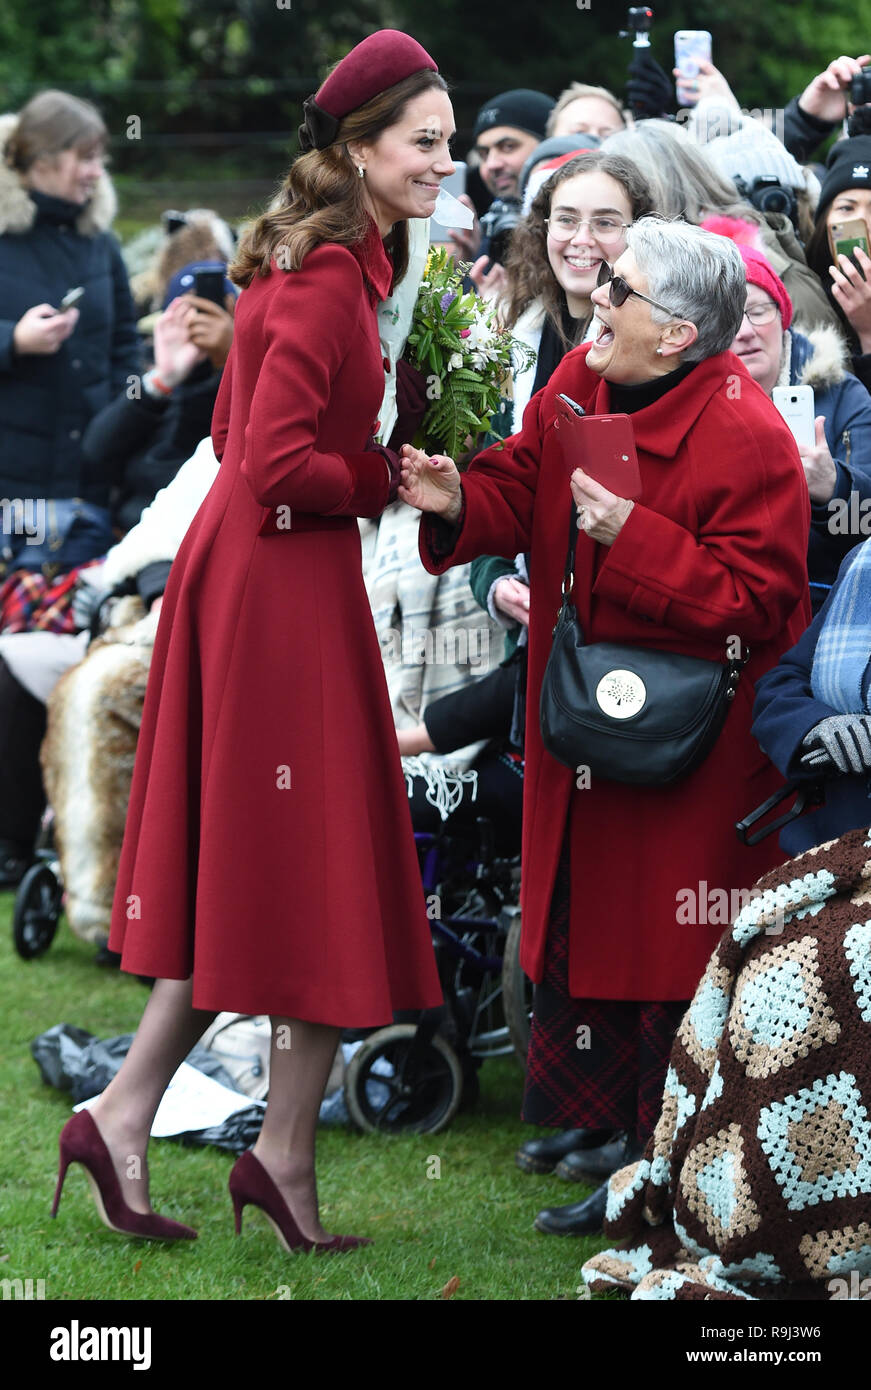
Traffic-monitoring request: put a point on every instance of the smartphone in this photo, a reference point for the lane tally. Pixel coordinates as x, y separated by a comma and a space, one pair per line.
796, 405
70, 298
603, 445
455, 184
846, 236
690, 47
209, 284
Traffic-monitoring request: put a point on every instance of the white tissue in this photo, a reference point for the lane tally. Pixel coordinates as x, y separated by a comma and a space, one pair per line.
450, 212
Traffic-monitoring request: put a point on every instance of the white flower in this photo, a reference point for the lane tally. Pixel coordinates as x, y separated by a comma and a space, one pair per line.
480, 336
483, 356
454, 361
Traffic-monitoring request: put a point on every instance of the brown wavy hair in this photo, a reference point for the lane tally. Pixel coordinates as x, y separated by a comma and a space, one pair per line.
529, 272
51, 122
321, 198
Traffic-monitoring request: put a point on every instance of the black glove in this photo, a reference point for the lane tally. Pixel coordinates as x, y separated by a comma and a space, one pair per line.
843, 741
649, 91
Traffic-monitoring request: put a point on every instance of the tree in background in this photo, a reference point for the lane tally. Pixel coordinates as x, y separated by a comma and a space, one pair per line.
237, 70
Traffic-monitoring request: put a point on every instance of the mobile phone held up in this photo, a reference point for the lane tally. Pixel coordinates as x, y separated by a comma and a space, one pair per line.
70, 298
796, 405
691, 46
209, 284
846, 236
602, 445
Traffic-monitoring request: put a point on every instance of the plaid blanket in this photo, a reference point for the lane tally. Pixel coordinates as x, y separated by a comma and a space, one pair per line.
31, 603
756, 1183
838, 676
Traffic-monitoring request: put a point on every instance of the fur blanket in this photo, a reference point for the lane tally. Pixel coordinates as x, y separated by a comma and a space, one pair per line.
756, 1183
94, 714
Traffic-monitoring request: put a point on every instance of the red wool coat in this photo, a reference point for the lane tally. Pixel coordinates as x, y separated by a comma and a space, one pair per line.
269, 847
716, 547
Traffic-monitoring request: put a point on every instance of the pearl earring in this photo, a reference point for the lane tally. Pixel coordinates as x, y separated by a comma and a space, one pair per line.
360, 170
659, 352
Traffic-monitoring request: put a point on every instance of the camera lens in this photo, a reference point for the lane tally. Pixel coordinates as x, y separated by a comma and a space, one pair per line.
774, 200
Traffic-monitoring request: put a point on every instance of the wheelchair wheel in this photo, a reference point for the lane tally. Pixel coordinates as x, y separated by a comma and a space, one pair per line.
516, 989
395, 1083
37, 911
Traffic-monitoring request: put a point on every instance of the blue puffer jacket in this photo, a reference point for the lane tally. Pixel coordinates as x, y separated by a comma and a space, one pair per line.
48, 246
819, 360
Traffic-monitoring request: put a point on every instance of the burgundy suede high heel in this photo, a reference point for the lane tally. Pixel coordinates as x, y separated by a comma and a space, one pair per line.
81, 1142
251, 1185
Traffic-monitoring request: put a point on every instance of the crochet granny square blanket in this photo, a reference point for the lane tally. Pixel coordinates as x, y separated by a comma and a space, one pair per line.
756, 1183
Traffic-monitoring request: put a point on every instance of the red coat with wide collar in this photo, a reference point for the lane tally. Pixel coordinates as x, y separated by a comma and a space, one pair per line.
715, 548
269, 849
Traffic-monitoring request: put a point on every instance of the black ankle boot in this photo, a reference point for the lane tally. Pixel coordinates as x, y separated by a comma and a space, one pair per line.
580, 1219
599, 1164
542, 1155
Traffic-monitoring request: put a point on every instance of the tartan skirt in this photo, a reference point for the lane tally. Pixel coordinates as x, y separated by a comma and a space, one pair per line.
593, 1063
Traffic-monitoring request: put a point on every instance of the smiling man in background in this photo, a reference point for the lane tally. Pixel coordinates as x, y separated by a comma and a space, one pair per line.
507, 129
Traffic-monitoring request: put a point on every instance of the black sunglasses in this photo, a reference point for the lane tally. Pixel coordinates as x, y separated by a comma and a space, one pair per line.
619, 291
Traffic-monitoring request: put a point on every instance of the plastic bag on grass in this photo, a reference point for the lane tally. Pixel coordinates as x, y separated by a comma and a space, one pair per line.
71, 1059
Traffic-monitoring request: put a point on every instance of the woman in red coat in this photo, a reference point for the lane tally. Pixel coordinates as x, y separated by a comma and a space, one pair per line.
269, 863
624, 887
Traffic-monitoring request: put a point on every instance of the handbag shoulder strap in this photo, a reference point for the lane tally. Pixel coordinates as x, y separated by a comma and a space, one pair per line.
735, 664
569, 572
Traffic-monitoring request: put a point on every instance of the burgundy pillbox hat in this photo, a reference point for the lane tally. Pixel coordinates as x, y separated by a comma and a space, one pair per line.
760, 272
376, 64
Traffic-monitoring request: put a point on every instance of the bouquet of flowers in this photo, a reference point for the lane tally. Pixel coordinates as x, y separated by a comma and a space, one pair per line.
455, 341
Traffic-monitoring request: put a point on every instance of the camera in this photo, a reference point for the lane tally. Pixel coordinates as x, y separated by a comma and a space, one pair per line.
860, 88
498, 223
769, 195
638, 21
859, 121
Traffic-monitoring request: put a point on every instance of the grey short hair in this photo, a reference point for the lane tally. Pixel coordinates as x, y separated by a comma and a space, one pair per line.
697, 274
683, 178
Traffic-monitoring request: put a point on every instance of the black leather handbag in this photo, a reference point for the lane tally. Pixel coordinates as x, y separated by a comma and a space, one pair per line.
627, 713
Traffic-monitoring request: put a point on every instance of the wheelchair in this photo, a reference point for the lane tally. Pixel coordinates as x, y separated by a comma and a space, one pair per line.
414, 1075
39, 896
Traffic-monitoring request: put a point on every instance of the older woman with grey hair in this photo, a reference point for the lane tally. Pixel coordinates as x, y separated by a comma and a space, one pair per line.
623, 885
685, 182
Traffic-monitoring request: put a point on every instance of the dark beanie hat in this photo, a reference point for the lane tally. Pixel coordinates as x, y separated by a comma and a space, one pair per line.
375, 65
848, 166
522, 108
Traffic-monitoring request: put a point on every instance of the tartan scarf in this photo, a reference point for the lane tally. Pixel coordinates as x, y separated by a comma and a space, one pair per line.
31, 603
843, 650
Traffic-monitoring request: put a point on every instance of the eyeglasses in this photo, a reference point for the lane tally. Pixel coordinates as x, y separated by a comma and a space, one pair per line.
619, 291
764, 312
604, 229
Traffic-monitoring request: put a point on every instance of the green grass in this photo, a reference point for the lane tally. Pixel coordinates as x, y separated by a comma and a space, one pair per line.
474, 1222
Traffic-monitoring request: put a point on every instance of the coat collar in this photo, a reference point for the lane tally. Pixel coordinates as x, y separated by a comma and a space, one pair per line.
662, 427
374, 262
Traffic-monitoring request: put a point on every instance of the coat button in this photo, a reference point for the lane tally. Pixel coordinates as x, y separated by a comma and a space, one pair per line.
75, 434
76, 364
